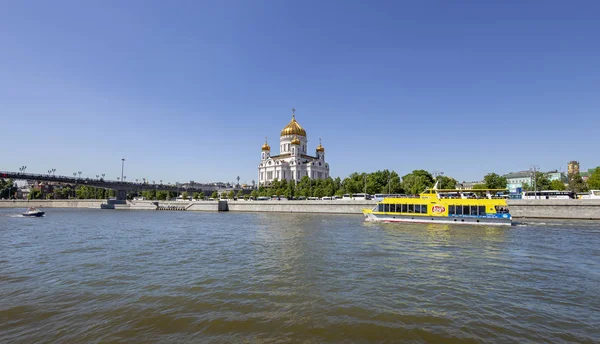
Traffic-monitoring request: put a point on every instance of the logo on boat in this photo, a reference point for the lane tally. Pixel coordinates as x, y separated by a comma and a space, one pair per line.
438, 209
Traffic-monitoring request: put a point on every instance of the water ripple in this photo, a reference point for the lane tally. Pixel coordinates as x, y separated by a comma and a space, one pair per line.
163, 277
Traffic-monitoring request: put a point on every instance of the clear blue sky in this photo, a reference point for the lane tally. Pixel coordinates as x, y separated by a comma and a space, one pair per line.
187, 90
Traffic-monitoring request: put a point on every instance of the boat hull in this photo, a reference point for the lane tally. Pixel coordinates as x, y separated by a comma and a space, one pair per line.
437, 219
38, 214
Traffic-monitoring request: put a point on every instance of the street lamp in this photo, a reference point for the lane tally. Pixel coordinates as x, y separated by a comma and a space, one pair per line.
102, 175
122, 166
124, 177
118, 178
97, 176
79, 174
53, 170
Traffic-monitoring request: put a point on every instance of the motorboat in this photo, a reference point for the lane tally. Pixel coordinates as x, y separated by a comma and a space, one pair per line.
33, 212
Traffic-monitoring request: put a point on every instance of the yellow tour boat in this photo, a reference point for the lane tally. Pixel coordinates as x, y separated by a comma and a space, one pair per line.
481, 207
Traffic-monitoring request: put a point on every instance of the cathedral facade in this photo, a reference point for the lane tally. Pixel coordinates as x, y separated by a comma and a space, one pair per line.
293, 161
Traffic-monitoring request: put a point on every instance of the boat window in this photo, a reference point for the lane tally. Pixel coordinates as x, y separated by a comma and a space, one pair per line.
380, 208
481, 210
466, 210
386, 208
459, 210
424, 209
405, 208
473, 210
451, 210
392, 208
411, 208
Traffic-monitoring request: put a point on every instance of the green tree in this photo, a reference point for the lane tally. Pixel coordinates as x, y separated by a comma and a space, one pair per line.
541, 181
526, 187
576, 183
239, 195
7, 188
557, 185
196, 196
215, 195
480, 186
494, 181
163, 195
35, 194
594, 179
254, 194
446, 182
231, 194
417, 181
185, 195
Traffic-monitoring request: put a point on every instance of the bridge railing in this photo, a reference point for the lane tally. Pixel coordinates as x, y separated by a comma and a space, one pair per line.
106, 183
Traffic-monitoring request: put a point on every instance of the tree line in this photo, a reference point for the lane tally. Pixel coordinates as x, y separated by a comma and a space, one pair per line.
385, 182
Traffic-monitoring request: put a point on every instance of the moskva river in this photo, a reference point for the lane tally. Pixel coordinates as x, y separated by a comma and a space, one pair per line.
89, 276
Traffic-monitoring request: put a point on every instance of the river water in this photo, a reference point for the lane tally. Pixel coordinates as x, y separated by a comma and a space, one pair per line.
78, 276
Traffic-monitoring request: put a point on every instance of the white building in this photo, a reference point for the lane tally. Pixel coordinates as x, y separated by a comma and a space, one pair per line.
293, 162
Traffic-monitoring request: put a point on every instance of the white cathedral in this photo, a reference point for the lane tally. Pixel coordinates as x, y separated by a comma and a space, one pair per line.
293, 162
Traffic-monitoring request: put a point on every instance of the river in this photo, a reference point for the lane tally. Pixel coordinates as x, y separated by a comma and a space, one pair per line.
78, 276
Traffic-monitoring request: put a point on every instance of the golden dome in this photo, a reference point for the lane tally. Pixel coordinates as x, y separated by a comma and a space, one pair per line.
293, 128
295, 140
266, 146
320, 148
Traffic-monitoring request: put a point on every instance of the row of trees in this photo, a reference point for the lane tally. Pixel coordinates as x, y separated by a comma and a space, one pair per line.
387, 182
372, 183
7, 188
575, 182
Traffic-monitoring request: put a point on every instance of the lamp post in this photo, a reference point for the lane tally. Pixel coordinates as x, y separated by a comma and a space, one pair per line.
122, 166
79, 174
103, 175
534, 179
53, 170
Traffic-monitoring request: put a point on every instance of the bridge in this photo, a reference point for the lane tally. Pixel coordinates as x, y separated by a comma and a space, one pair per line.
120, 187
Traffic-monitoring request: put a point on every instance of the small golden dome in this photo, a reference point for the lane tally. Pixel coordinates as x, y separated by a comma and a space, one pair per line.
320, 148
295, 140
293, 128
266, 146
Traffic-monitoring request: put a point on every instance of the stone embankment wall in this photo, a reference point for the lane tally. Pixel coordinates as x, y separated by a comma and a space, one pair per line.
575, 209
329, 207
46, 203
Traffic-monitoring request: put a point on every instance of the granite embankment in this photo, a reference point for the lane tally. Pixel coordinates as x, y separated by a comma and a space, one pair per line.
47, 203
540, 209
575, 209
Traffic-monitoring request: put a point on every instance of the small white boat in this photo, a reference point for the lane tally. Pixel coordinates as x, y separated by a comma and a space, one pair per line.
33, 212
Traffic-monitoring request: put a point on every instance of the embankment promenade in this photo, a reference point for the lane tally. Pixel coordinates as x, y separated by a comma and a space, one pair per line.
540, 209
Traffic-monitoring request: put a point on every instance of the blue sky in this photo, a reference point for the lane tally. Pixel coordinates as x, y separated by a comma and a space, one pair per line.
187, 90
